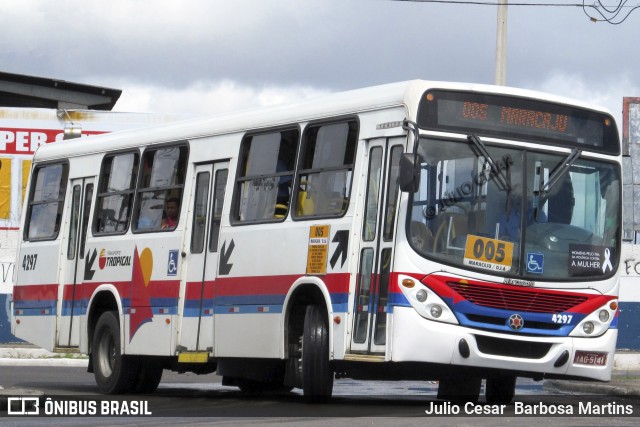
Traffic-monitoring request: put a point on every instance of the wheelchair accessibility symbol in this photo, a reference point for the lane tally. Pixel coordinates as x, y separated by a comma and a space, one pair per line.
172, 265
535, 263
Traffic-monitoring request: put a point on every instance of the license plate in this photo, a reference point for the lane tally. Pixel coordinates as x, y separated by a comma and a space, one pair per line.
590, 358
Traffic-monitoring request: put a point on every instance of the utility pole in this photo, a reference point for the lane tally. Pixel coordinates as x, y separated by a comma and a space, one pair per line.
501, 44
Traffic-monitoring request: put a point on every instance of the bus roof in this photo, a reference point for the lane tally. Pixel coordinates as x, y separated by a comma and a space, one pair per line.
405, 94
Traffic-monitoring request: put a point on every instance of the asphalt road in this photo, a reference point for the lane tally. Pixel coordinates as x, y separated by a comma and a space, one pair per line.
189, 399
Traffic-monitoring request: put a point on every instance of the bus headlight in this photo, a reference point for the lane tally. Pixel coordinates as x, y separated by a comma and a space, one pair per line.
436, 311
603, 315
596, 323
588, 327
426, 302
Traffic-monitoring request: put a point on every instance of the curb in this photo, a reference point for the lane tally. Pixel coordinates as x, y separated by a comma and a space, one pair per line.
595, 388
27, 355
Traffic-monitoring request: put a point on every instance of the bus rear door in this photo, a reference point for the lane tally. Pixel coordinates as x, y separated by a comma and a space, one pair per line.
196, 330
69, 302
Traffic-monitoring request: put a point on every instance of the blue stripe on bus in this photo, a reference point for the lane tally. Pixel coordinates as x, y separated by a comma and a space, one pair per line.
48, 311
250, 300
250, 304
397, 298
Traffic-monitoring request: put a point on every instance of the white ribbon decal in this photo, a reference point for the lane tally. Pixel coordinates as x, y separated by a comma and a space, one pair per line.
607, 261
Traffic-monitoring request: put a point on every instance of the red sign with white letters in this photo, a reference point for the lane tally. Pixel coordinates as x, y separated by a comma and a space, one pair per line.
27, 141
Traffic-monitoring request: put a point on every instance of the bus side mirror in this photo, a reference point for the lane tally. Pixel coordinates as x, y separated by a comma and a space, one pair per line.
410, 172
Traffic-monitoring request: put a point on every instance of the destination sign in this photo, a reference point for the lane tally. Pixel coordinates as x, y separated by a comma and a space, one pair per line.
516, 118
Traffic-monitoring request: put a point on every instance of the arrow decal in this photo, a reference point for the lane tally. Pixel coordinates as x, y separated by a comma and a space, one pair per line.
88, 264
342, 237
225, 255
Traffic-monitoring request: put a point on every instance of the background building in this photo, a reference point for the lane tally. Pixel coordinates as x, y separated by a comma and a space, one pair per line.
629, 318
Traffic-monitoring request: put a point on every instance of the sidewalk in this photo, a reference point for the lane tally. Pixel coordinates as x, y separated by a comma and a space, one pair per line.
30, 355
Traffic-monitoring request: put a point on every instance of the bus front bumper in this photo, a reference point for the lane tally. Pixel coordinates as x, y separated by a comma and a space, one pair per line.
417, 339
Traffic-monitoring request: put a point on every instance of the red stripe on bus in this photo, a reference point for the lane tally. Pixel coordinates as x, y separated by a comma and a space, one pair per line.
228, 286
35, 292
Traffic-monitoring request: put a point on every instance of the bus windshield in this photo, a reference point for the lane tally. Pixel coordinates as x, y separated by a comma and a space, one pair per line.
516, 212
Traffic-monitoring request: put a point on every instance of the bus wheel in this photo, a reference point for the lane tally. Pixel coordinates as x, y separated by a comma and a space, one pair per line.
459, 387
148, 378
112, 371
500, 389
317, 373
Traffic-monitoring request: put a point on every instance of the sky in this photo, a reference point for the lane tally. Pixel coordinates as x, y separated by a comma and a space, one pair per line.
206, 57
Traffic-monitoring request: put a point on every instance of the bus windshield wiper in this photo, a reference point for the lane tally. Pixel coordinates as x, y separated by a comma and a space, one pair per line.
558, 173
503, 183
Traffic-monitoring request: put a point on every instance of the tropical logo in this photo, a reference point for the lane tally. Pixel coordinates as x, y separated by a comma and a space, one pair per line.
113, 259
102, 259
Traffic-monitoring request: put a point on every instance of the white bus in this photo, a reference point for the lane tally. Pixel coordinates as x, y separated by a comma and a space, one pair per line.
418, 230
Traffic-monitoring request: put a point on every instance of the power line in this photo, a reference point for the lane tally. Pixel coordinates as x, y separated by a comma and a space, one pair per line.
611, 13
596, 11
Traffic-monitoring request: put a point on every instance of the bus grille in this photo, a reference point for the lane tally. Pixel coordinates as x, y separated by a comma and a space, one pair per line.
511, 348
526, 299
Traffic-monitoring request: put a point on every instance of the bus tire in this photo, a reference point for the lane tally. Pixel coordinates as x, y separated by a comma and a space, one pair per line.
317, 373
459, 387
148, 378
500, 389
113, 372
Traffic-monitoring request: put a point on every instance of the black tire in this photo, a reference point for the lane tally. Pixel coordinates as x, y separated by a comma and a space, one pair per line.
317, 372
113, 372
500, 389
148, 378
459, 388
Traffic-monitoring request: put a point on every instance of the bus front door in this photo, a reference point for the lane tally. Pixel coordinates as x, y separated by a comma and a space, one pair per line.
75, 234
196, 330
376, 246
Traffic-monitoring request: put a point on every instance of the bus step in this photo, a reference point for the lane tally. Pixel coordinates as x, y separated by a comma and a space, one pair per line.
193, 357
353, 357
72, 350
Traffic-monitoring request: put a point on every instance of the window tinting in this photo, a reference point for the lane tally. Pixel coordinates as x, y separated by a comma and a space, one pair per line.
200, 206
263, 188
324, 182
115, 197
160, 188
46, 201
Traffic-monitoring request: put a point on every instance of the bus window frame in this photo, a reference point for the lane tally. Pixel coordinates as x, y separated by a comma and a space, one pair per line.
346, 167
99, 194
234, 218
135, 216
64, 181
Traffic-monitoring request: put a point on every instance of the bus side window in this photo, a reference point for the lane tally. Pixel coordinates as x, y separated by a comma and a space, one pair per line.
263, 187
162, 181
324, 183
118, 176
216, 215
46, 200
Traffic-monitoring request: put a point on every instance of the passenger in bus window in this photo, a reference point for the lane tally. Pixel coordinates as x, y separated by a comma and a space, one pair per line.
172, 209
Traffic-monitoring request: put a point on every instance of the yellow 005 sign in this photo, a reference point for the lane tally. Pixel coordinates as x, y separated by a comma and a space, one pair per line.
489, 254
